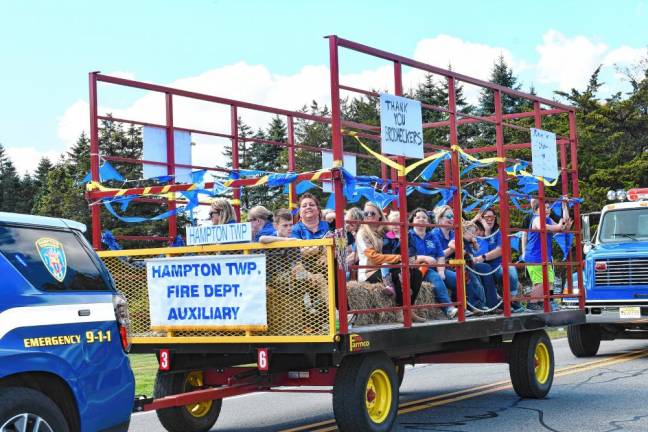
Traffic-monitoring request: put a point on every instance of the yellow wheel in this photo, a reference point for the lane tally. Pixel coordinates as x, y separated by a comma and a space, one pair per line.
378, 396
195, 417
365, 394
542, 363
194, 381
531, 364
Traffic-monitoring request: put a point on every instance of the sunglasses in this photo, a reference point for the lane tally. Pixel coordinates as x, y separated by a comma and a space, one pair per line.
215, 212
370, 213
491, 217
448, 216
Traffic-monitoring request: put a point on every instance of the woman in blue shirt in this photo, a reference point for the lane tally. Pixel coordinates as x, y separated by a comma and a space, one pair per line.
310, 225
260, 219
429, 252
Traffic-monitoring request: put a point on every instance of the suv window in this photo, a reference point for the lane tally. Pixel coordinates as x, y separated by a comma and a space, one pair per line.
52, 260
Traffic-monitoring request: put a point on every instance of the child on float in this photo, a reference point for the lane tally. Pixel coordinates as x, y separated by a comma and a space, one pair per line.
533, 251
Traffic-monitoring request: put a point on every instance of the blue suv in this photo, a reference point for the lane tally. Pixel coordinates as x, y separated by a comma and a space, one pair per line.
64, 332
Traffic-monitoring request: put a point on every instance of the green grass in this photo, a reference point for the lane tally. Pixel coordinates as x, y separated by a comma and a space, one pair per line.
144, 367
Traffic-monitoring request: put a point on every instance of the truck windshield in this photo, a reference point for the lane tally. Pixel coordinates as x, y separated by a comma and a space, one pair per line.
625, 225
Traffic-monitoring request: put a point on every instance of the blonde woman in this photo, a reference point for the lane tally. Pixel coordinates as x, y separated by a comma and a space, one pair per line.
221, 212
372, 250
260, 219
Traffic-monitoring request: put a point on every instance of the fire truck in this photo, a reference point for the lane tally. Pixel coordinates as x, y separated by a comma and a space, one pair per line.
294, 347
616, 273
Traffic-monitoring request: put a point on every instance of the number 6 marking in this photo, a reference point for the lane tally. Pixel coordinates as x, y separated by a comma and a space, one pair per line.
262, 359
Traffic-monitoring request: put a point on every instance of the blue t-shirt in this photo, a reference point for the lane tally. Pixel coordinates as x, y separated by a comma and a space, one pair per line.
266, 230
428, 245
438, 235
533, 252
300, 231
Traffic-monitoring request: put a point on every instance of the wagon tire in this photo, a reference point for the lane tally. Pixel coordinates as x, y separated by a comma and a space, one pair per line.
400, 373
584, 340
198, 417
365, 394
531, 364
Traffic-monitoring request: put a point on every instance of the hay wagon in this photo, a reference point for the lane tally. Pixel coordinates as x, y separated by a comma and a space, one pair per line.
318, 329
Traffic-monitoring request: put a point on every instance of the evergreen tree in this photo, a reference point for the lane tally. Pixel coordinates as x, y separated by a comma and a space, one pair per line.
27, 190
267, 157
9, 183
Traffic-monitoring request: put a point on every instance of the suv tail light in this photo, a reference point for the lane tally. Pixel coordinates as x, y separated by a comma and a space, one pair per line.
600, 266
123, 320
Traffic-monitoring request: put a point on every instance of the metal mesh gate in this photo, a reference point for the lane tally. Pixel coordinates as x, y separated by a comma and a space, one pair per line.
299, 289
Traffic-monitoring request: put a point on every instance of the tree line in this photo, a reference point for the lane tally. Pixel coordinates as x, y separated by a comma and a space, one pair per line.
613, 149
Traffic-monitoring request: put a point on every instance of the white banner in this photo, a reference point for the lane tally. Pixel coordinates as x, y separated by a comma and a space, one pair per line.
207, 292
155, 149
544, 155
401, 126
216, 234
349, 162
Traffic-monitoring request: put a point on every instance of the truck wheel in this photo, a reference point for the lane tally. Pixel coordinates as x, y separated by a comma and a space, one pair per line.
531, 364
196, 417
365, 394
584, 340
400, 373
25, 409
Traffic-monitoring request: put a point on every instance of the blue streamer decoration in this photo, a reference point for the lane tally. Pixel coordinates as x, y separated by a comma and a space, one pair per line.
106, 172
276, 180
330, 203
494, 183
429, 170
515, 240
109, 240
564, 241
198, 178
138, 219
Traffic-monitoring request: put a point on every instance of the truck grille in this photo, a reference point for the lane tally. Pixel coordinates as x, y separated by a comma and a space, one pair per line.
625, 271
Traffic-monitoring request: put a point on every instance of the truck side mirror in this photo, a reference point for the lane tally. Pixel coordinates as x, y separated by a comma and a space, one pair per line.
585, 228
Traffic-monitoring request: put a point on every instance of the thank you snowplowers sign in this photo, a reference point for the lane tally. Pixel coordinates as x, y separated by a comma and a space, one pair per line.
207, 292
544, 156
401, 126
215, 234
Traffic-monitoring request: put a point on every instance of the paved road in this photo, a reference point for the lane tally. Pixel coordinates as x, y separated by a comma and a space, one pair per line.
606, 393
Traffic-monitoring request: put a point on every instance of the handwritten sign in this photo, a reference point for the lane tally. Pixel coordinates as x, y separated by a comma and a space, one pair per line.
349, 162
207, 292
401, 130
216, 234
543, 154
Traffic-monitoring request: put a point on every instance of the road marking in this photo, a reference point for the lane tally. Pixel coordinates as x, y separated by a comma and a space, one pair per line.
447, 398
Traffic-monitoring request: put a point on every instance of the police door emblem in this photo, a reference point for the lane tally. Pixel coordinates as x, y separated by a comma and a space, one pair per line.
53, 256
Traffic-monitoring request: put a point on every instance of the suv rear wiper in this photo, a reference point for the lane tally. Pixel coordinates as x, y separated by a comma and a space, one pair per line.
626, 235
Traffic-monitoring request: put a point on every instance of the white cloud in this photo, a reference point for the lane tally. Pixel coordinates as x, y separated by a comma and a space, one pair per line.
564, 62
568, 62
25, 159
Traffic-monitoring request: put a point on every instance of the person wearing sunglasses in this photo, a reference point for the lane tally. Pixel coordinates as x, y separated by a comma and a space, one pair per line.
445, 236
374, 249
221, 212
491, 252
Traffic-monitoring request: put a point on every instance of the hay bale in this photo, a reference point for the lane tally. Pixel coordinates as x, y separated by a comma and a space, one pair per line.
426, 296
360, 296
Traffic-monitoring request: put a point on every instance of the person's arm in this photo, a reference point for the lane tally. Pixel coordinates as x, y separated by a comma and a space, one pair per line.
380, 258
272, 239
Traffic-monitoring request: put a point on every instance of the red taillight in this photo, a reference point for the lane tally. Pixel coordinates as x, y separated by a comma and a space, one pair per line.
600, 266
123, 320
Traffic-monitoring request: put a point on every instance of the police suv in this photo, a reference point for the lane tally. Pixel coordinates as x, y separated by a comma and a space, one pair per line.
63, 332
616, 274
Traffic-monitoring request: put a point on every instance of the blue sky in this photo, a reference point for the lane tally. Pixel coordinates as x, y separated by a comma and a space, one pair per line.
48, 48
